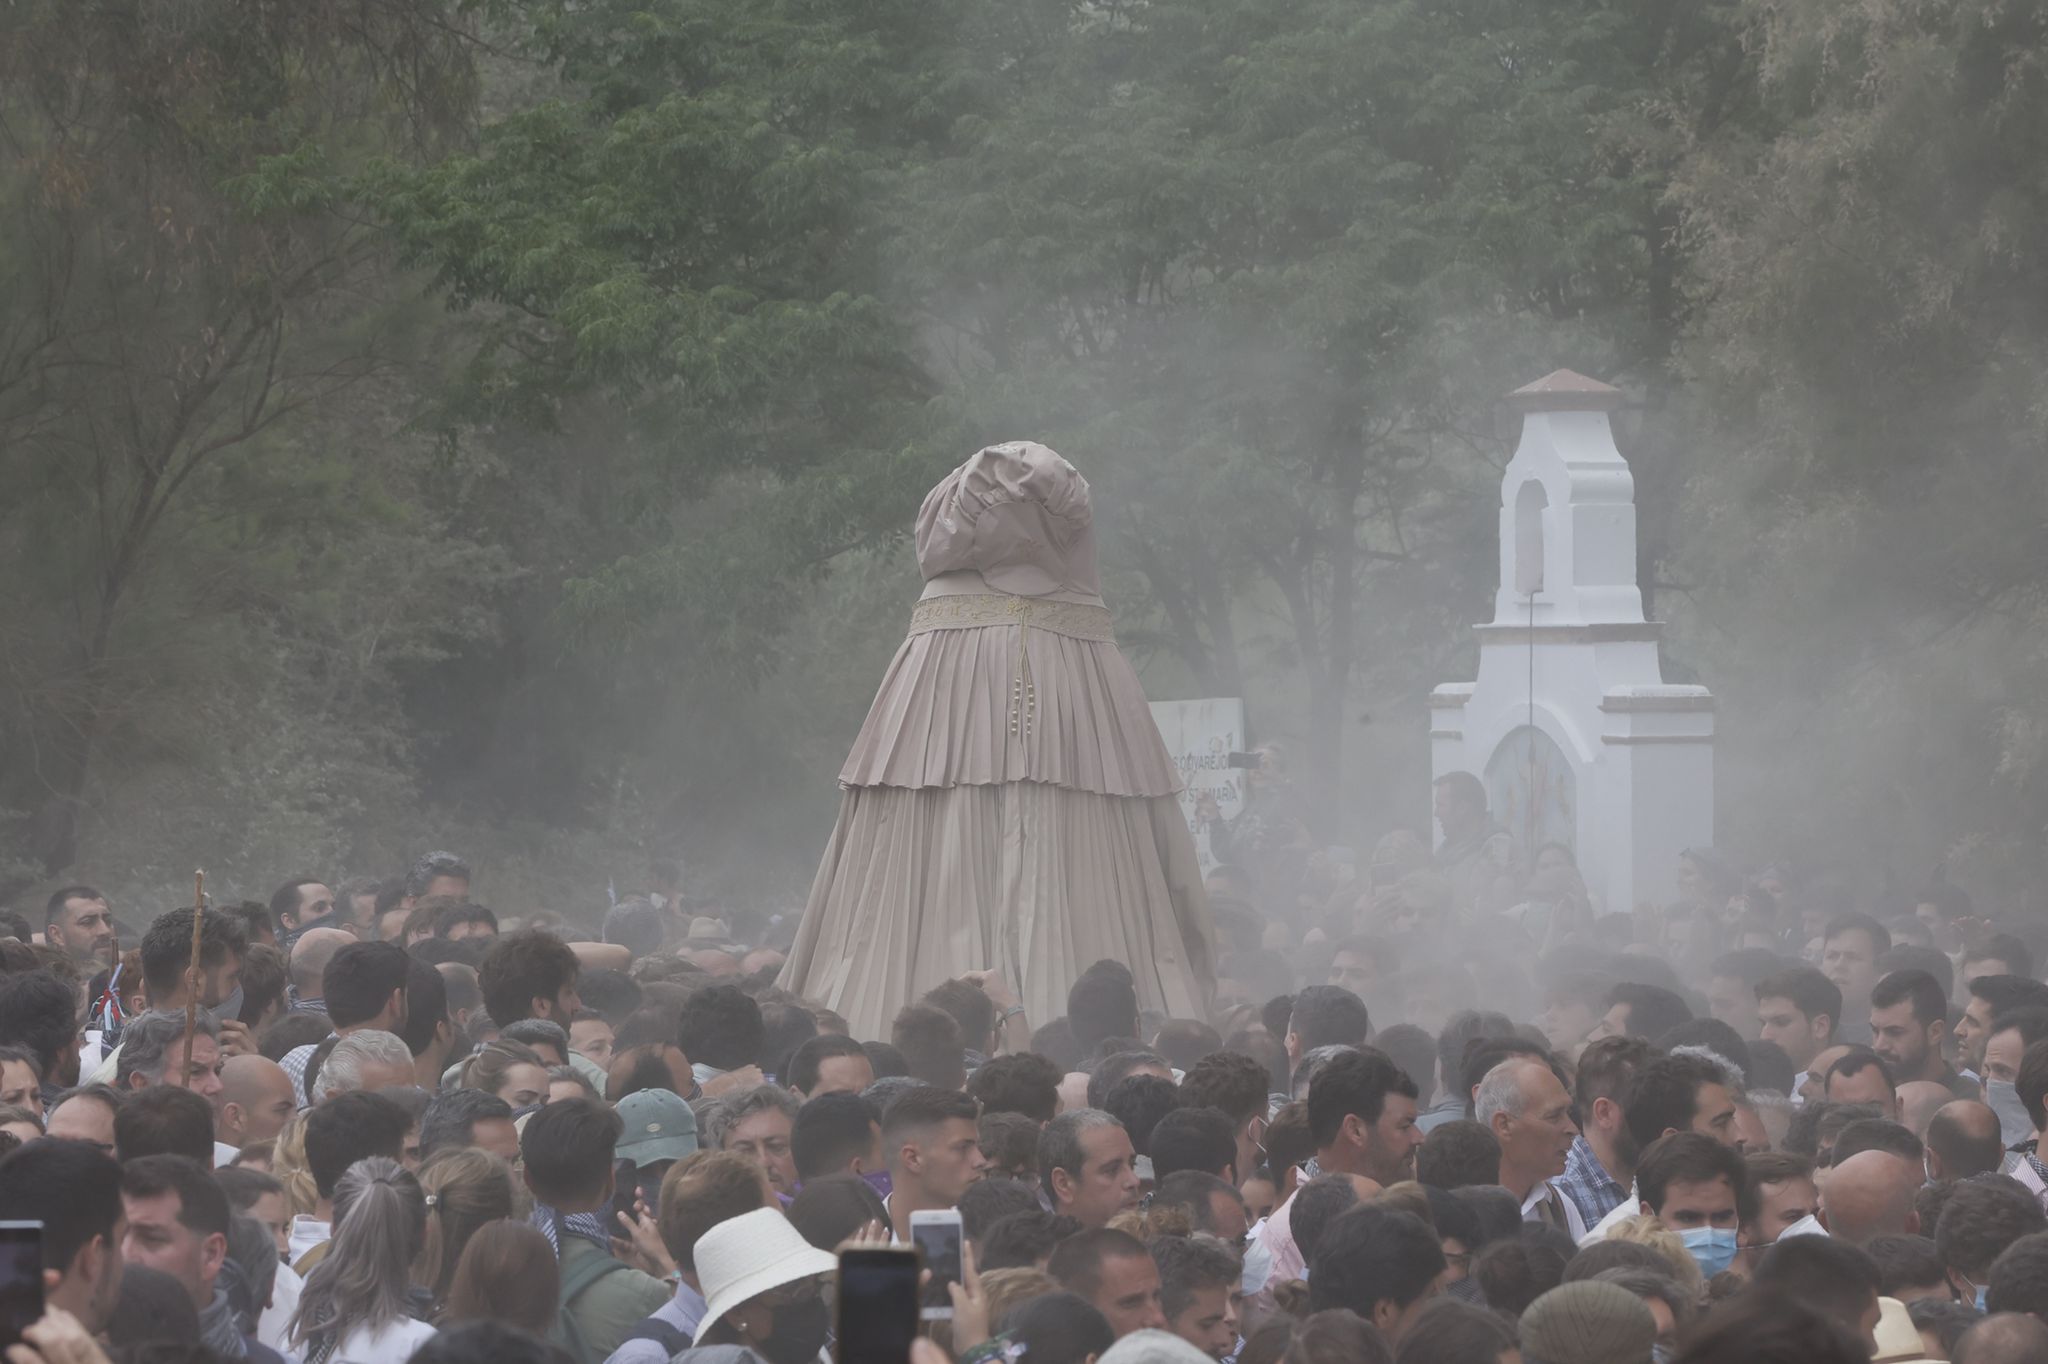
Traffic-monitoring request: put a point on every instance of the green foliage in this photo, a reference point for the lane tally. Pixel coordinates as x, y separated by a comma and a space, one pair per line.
502, 418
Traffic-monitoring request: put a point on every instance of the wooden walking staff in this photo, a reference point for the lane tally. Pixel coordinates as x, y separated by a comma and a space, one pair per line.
192, 976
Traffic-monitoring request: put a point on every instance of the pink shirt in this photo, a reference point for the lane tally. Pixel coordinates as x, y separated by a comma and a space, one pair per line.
1276, 1234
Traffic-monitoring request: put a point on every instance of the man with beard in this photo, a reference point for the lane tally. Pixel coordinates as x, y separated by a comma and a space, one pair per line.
1799, 1009
1530, 1113
1602, 1163
1908, 1024
1992, 997
80, 923
1361, 1116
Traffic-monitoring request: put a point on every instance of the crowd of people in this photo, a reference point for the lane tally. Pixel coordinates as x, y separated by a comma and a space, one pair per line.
1442, 1111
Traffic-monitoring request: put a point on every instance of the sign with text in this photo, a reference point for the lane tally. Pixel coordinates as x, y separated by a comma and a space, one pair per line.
1201, 736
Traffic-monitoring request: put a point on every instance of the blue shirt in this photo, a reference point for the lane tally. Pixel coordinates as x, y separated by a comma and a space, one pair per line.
1585, 1181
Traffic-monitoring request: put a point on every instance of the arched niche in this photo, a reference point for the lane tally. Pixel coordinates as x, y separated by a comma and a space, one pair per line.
1532, 790
1530, 504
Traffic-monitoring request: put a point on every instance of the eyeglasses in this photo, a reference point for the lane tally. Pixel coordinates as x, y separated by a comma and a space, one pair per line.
1459, 1260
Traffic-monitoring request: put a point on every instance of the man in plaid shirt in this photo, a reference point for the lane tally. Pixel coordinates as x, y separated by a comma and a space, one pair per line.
1603, 1160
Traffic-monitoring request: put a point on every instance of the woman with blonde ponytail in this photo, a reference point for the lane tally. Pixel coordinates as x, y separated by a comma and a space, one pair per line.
288, 1165
466, 1189
358, 1304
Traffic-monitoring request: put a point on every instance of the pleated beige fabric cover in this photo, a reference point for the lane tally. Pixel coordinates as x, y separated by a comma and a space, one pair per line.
1008, 803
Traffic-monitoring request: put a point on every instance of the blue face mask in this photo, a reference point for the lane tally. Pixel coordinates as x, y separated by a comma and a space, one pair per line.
1712, 1248
1980, 1300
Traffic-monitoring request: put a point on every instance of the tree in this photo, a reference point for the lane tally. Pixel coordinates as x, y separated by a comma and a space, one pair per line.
1268, 268
182, 280
1867, 545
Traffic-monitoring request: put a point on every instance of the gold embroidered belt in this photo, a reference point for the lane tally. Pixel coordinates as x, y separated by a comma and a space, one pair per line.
1073, 619
969, 611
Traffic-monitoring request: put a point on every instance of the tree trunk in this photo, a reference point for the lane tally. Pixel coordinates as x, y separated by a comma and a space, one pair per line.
1330, 684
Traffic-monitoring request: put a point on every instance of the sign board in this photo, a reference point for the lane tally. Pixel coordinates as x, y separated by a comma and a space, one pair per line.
1201, 736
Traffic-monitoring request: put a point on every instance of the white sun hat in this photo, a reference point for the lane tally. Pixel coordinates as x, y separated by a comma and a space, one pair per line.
745, 1256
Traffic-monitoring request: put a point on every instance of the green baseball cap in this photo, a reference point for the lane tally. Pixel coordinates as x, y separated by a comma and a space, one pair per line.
659, 1126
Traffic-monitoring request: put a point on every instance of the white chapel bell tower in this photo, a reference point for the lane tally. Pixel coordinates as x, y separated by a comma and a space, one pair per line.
1570, 723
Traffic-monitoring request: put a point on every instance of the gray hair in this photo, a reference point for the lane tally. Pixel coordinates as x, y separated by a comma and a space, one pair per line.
380, 1222
1501, 1090
1059, 1145
343, 1069
1774, 1110
1313, 1063
724, 1114
1731, 1077
148, 1042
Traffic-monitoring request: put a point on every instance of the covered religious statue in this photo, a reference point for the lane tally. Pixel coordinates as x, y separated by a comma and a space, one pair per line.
1009, 803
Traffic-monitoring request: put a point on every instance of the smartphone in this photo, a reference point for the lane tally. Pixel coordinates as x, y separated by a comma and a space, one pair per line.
878, 1306
936, 1234
21, 1279
625, 1193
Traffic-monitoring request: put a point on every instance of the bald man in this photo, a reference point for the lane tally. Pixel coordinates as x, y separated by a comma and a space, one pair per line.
1870, 1194
256, 1099
310, 955
1963, 1140
1919, 1101
2008, 1338
1812, 1084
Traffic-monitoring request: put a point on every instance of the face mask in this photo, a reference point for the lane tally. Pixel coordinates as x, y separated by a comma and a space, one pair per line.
230, 1008
1258, 1267
2013, 1123
799, 1334
879, 1181
1980, 1299
1712, 1248
1808, 1225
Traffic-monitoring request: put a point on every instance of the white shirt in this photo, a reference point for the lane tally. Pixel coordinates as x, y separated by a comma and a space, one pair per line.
387, 1345
1573, 1223
1632, 1206
306, 1233
284, 1301
224, 1155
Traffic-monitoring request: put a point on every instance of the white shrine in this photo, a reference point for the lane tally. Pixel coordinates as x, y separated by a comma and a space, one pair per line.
1570, 724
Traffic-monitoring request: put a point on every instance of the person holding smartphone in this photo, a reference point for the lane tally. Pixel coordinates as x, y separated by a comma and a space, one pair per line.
933, 1145
74, 1192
